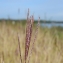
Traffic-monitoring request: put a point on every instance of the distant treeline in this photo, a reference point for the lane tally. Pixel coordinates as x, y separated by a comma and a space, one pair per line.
23, 20
43, 21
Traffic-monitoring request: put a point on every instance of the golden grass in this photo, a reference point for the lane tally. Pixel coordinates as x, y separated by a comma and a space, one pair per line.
47, 47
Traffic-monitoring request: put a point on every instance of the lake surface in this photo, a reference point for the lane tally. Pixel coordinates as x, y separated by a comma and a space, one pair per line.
50, 24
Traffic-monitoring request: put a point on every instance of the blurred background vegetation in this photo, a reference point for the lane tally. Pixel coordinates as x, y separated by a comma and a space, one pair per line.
48, 47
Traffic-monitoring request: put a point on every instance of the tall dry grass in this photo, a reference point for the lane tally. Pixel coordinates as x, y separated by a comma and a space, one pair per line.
46, 45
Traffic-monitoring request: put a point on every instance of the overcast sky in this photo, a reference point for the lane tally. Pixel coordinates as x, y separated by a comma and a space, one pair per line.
46, 9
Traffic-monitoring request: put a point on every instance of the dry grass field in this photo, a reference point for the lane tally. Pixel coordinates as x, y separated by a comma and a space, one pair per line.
48, 47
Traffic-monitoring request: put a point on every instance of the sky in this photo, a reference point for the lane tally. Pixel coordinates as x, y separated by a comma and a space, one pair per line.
46, 9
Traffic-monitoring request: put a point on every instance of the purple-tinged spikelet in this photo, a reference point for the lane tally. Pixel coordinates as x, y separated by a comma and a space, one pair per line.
35, 36
28, 35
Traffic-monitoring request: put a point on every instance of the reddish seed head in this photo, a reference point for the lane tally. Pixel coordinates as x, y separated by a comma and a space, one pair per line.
28, 39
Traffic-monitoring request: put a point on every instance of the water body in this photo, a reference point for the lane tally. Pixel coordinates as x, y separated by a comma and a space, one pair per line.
50, 24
